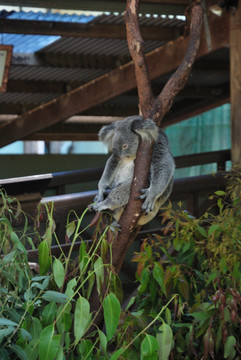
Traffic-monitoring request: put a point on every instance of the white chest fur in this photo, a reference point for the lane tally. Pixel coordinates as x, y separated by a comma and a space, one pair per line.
124, 172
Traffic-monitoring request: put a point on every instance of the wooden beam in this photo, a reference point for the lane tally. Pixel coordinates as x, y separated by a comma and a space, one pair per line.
78, 119
89, 30
35, 86
160, 61
75, 132
235, 82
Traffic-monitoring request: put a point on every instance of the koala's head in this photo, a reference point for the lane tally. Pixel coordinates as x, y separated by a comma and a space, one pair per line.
123, 136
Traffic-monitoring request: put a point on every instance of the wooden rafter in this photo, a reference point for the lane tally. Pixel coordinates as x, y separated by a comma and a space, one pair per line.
109, 85
153, 6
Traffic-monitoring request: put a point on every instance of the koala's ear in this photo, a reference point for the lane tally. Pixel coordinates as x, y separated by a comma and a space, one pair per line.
106, 134
147, 129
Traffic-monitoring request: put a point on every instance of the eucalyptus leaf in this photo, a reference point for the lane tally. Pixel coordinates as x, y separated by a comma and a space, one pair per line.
6, 322
44, 258
112, 311
33, 326
59, 272
4, 355
6, 332
229, 347
116, 354
82, 318
165, 339
99, 273
17, 242
7, 258
159, 277
32, 349
60, 355
70, 288
212, 229
220, 192
86, 348
48, 314
70, 228
91, 282
55, 296
19, 351
103, 341
149, 347
201, 230
48, 343
26, 335
202, 316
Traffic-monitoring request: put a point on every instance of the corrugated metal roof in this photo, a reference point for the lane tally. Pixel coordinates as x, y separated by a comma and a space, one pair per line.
33, 43
67, 62
46, 16
93, 46
114, 47
51, 74
28, 43
147, 20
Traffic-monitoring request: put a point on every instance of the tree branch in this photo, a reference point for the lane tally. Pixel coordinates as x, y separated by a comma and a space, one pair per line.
178, 80
136, 48
153, 108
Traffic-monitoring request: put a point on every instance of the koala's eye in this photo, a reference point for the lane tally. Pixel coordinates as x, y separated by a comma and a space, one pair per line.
124, 146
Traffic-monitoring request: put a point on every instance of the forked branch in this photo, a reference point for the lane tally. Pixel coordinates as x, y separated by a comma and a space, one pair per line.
150, 107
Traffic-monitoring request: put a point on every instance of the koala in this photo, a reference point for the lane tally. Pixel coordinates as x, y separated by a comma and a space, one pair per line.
123, 138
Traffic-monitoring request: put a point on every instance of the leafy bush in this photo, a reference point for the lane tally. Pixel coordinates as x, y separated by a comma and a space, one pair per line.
200, 262
46, 316
186, 306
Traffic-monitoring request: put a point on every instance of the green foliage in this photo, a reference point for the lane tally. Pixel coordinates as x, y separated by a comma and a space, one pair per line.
200, 261
47, 316
187, 305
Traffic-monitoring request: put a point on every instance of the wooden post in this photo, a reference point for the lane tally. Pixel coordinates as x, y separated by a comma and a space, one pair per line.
235, 83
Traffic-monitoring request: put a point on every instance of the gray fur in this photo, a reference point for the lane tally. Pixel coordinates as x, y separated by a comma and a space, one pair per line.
122, 138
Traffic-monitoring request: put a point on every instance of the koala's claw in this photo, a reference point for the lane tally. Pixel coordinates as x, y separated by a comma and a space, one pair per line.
99, 206
144, 193
148, 206
115, 226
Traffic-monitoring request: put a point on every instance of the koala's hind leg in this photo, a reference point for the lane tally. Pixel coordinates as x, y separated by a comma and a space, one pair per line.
118, 197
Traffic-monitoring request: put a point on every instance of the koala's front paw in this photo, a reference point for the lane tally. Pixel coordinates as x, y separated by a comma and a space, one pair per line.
99, 206
98, 198
149, 202
103, 192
